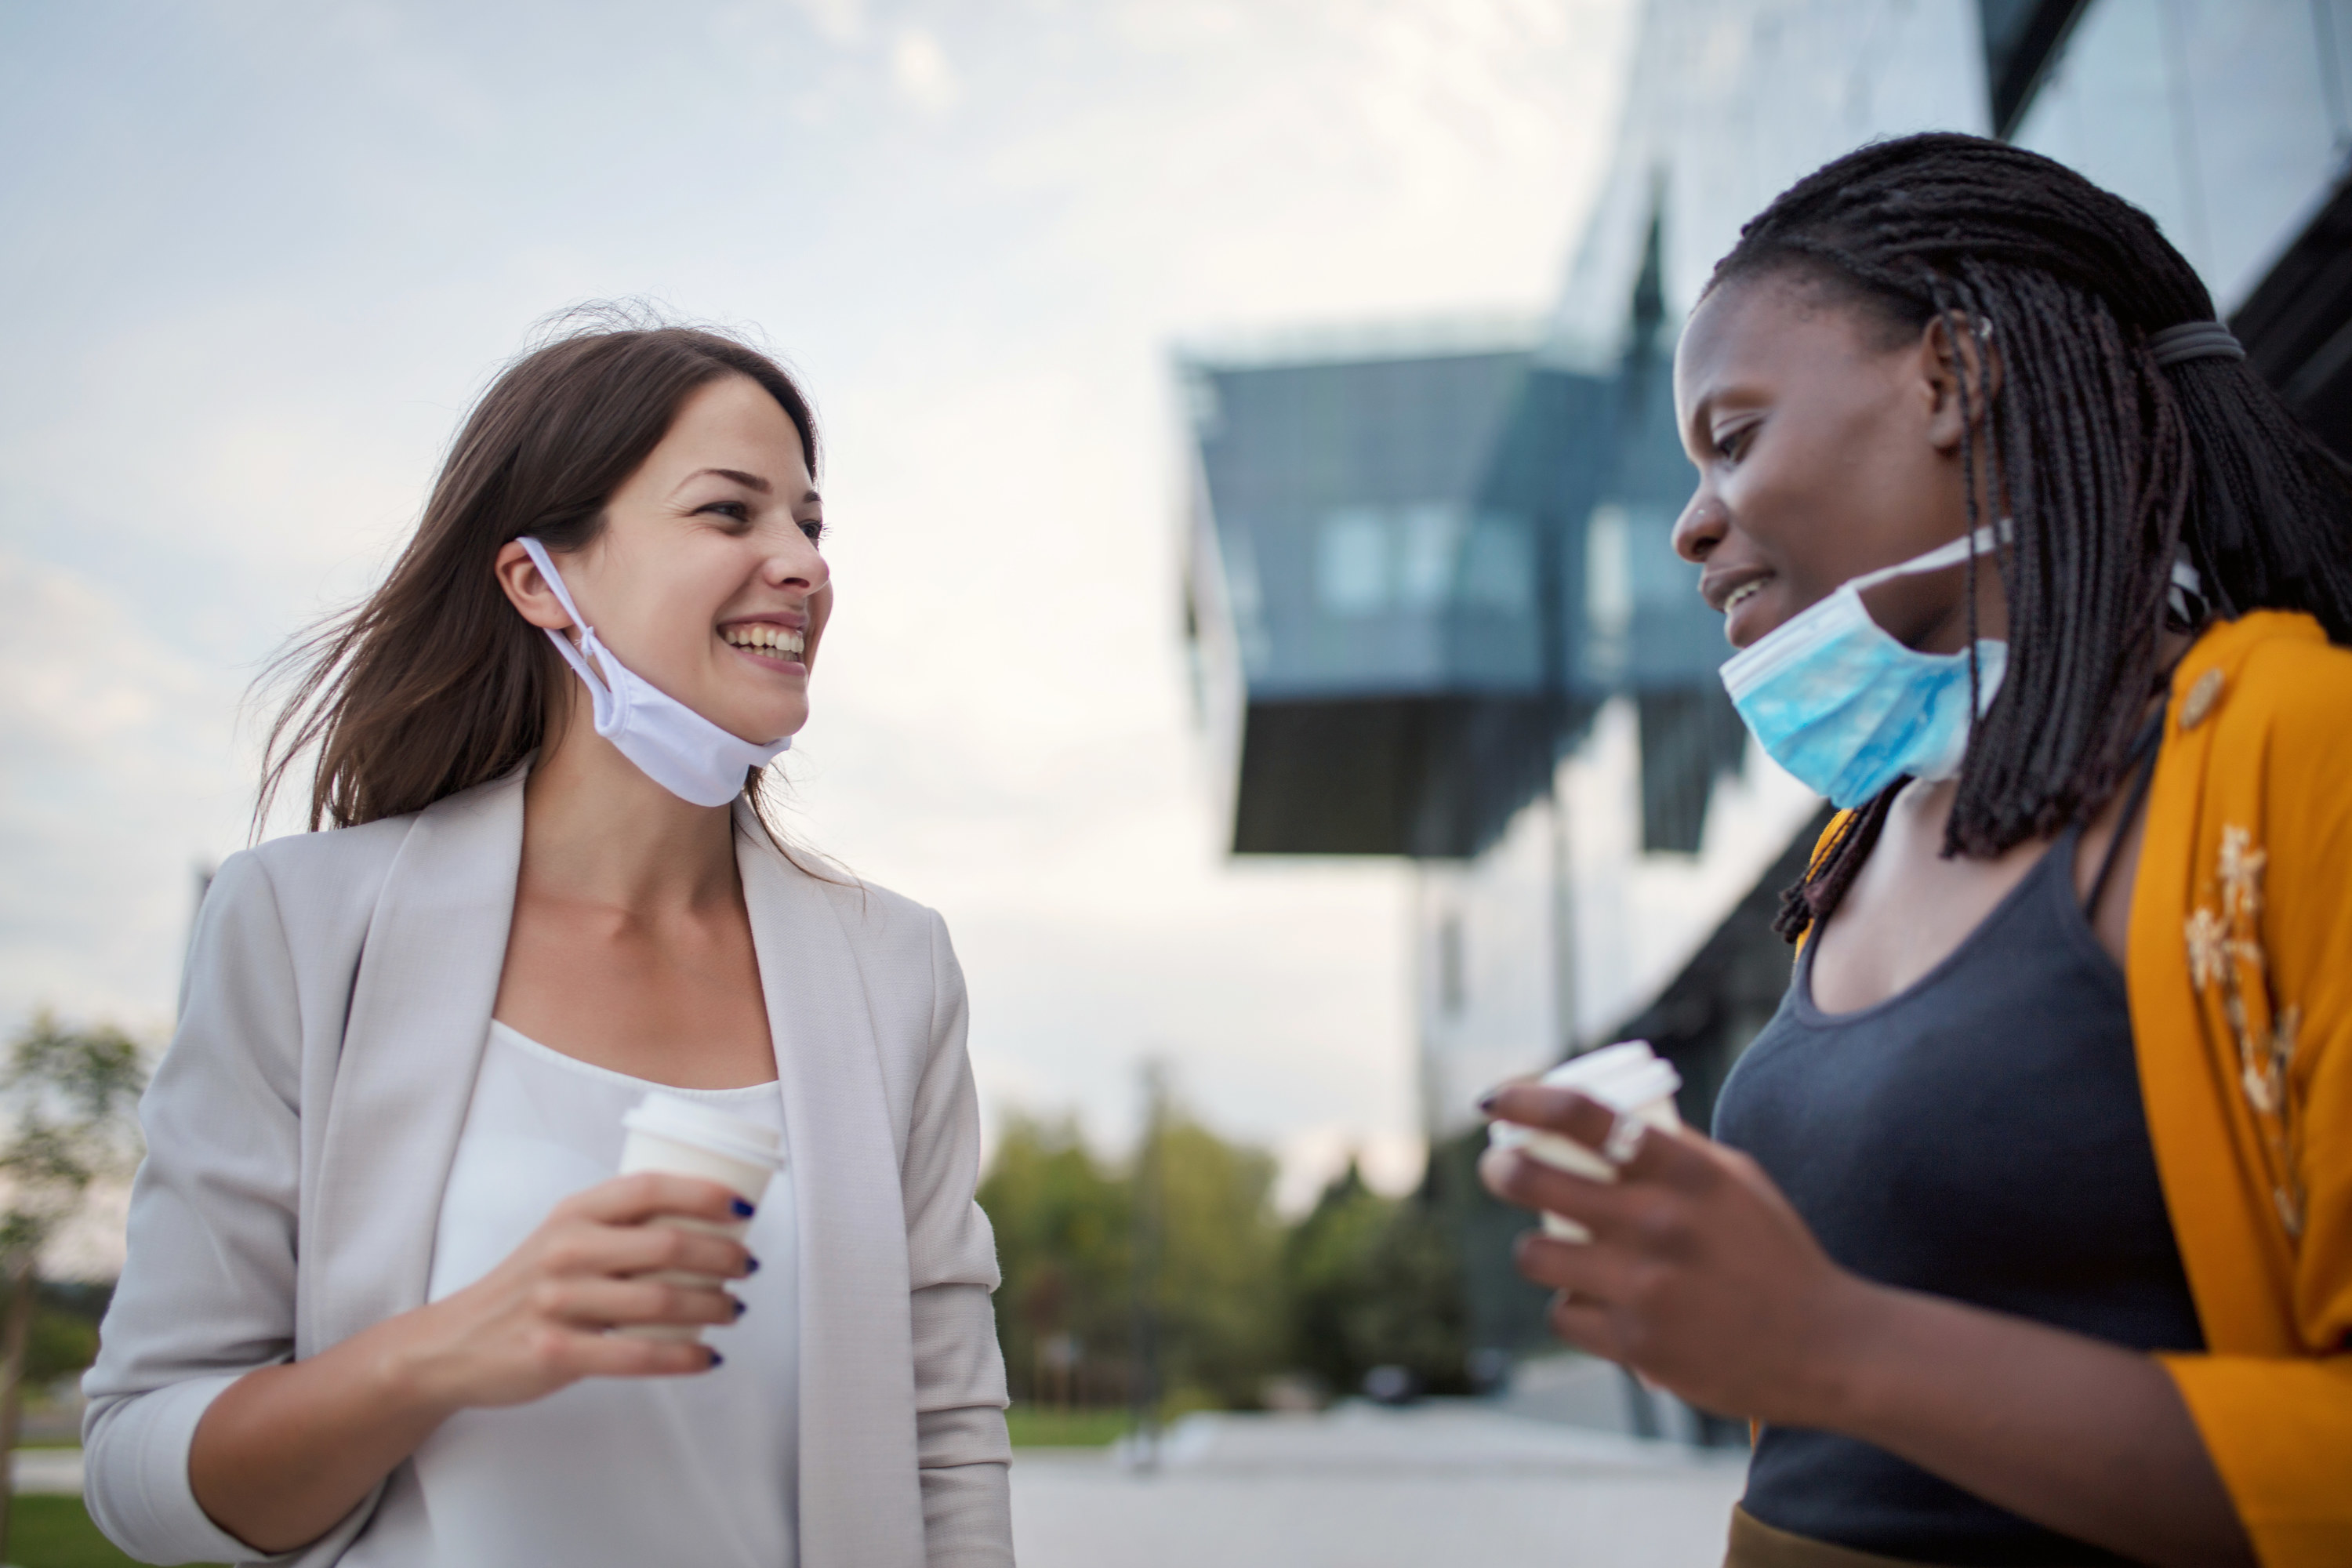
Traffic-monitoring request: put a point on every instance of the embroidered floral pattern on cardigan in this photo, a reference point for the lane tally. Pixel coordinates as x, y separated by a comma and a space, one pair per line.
2225, 954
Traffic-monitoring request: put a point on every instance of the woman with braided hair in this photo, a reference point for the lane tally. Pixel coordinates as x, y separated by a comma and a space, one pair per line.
2027, 1235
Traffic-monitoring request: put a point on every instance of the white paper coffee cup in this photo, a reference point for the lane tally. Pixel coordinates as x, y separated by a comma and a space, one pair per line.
682, 1138
1628, 1078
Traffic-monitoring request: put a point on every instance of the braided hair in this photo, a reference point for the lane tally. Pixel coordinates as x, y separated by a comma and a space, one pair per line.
2111, 467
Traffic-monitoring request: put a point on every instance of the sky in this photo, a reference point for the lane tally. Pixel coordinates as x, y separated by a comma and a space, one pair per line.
261, 256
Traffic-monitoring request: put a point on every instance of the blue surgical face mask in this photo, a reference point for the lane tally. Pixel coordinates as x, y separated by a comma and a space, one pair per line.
672, 744
1841, 703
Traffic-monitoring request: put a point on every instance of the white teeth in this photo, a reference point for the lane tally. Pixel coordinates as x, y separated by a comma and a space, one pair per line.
757, 634
1742, 594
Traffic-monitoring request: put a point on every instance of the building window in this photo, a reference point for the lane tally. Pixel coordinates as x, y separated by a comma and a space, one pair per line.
1422, 560
1499, 566
1427, 540
1607, 590
1351, 564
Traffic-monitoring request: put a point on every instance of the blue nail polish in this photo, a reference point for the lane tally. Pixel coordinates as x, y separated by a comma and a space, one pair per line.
739, 1305
751, 1266
1486, 1100
718, 1360
742, 1208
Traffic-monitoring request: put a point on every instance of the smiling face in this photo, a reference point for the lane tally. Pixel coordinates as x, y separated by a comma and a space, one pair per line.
705, 580
1828, 443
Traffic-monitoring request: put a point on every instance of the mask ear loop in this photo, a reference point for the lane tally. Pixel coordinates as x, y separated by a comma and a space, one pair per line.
1952, 553
539, 558
601, 691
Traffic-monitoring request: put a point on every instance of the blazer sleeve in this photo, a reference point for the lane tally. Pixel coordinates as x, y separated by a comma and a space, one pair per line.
207, 1287
959, 1394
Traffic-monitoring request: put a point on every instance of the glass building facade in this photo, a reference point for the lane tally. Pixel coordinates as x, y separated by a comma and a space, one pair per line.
2229, 122
1434, 603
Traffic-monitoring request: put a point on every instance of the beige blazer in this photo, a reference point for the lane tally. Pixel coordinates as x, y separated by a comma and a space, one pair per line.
302, 1126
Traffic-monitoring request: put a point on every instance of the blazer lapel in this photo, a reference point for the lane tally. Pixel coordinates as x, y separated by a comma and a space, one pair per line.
420, 1014
859, 1499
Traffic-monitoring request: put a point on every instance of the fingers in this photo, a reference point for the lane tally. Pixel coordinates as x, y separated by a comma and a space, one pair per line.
608, 1304
1597, 1274
1656, 1221
631, 1200
569, 1355
1657, 1153
1587, 1325
578, 1249
1518, 1177
1561, 1110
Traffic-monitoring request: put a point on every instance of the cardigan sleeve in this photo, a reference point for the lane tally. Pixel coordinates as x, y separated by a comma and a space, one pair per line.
207, 1287
960, 1396
2279, 794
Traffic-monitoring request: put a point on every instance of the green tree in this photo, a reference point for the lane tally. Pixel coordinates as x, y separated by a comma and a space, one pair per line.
1220, 1309
1063, 1239
1065, 1224
63, 1341
1374, 1282
75, 1094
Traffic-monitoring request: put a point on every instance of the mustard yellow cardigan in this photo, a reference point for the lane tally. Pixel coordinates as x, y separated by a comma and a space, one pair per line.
2240, 984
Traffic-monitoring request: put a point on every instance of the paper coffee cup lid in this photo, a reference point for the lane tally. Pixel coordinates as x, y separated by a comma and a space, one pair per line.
1621, 1076
685, 1121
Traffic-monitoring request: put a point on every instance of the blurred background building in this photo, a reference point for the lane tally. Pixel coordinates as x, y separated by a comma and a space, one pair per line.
1433, 604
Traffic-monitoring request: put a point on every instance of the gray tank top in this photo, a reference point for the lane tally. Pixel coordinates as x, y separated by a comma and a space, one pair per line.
1978, 1135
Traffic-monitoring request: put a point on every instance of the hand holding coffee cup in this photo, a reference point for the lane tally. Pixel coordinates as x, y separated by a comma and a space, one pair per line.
1628, 1078
1685, 1263
680, 1137
543, 1318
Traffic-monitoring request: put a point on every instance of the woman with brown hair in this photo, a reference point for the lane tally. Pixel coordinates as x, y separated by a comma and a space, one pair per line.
377, 1255
2026, 1234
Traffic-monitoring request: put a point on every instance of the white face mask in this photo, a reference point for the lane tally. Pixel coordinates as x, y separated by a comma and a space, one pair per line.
675, 747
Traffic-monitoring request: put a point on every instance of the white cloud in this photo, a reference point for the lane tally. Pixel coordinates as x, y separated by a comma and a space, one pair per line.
114, 751
919, 69
842, 21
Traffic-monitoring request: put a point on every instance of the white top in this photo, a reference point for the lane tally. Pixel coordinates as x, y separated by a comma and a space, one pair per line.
699, 1470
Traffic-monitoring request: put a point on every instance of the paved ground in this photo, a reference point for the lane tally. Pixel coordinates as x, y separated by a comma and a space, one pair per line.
1433, 1485
1361, 1486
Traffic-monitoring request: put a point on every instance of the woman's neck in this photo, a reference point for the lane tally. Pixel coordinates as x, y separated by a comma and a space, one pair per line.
597, 830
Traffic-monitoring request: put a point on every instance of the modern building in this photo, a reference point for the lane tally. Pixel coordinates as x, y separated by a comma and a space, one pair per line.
1433, 606
2231, 122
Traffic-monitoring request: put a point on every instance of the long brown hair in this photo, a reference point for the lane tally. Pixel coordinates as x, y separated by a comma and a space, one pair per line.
433, 684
